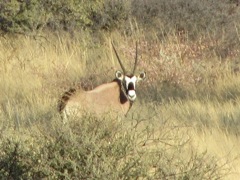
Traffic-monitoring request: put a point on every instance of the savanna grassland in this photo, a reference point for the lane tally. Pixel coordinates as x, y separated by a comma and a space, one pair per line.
185, 123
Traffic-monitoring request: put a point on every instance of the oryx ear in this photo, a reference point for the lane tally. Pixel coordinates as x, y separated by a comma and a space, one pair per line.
119, 75
142, 76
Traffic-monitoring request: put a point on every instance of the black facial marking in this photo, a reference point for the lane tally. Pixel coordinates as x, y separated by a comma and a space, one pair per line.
130, 75
123, 98
130, 86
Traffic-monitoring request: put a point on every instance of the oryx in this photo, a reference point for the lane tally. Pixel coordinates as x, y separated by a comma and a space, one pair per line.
114, 97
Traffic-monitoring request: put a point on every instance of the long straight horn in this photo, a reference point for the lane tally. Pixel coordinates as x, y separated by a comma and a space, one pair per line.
136, 59
124, 70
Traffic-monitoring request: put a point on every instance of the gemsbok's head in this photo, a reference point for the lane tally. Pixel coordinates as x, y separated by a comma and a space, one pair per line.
115, 97
129, 80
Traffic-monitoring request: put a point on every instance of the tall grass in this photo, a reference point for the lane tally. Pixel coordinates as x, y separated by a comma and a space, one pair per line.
183, 126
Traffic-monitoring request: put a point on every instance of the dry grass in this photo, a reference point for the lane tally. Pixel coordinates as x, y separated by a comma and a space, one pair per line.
188, 105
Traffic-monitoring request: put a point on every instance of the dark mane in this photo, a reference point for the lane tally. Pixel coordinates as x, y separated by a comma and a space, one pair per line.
123, 98
64, 99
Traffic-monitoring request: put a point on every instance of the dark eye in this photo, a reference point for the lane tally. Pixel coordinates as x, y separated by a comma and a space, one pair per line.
119, 75
142, 75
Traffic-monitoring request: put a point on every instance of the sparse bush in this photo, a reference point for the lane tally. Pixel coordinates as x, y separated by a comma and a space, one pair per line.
103, 148
192, 19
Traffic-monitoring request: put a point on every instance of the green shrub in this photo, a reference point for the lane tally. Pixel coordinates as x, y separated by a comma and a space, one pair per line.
15, 162
105, 149
27, 16
114, 15
194, 19
21, 16
71, 14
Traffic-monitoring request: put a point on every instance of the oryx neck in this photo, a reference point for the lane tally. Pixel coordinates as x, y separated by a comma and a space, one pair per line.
123, 94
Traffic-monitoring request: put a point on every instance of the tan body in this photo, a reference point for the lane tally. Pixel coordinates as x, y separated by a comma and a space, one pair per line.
115, 98
106, 99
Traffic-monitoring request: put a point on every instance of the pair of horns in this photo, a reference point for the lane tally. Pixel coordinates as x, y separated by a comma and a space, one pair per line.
120, 62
